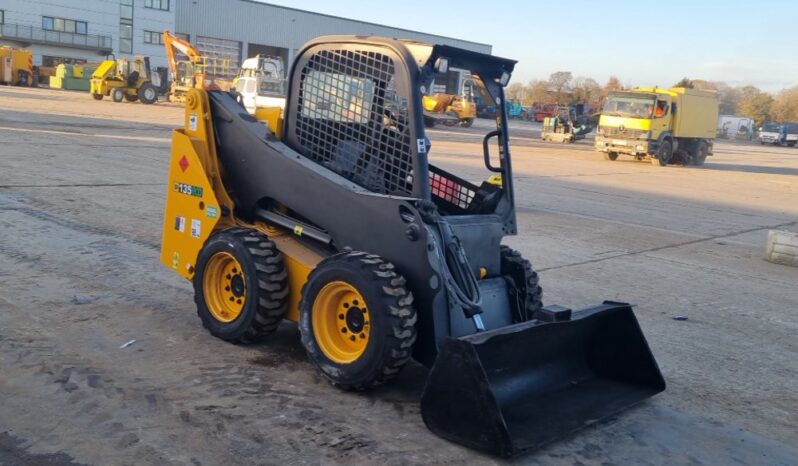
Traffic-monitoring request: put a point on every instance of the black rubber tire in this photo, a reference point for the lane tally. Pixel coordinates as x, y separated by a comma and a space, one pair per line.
264, 272
131, 98
117, 95
664, 154
429, 122
467, 122
514, 266
790, 144
97, 96
392, 319
700, 155
148, 94
610, 156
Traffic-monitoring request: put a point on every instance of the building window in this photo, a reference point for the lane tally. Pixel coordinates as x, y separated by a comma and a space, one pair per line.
152, 37
125, 26
64, 25
157, 4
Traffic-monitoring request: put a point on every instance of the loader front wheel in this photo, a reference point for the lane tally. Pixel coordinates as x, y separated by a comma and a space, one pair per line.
240, 285
527, 292
117, 95
357, 320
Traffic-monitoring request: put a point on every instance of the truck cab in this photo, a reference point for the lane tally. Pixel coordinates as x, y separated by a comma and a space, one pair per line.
664, 125
261, 83
779, 134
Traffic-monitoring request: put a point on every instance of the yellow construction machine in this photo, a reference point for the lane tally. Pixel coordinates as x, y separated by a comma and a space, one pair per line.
451, 100
124, 79
335, 216
198, 71
16, 66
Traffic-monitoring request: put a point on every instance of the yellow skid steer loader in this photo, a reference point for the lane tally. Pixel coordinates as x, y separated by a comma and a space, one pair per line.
333, 215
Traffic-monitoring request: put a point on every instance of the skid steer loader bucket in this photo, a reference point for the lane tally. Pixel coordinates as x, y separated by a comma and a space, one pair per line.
519, 387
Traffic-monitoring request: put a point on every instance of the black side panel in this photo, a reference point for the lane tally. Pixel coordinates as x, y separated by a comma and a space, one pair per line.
256, 168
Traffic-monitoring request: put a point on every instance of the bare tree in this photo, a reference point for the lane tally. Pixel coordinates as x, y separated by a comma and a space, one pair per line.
585, 90
560, 83
516, 91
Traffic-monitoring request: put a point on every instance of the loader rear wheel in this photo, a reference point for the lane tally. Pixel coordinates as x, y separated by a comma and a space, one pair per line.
357, 320
148, 94
527, 290
240, 285
97, 96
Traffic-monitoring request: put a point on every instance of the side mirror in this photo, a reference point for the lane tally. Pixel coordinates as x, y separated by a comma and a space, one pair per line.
673, 108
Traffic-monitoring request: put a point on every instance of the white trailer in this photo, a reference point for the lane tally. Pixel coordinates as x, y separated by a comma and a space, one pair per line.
735, 127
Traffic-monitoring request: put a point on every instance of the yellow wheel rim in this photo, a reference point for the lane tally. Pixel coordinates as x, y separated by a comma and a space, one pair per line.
341, 322
224, 287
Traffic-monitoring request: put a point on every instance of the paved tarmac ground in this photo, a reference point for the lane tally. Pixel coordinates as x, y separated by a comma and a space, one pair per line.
82, 188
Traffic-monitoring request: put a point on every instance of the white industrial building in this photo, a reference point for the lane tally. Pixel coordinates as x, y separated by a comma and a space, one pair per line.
87, 30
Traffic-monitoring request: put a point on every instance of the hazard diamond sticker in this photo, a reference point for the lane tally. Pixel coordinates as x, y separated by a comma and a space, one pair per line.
183, 163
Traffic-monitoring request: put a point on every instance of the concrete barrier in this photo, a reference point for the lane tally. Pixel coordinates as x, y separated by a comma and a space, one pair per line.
782, 248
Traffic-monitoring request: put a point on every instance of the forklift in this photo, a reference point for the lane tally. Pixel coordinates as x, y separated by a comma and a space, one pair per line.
569, 125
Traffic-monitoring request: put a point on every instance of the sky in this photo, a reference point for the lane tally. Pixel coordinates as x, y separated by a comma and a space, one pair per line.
739, 42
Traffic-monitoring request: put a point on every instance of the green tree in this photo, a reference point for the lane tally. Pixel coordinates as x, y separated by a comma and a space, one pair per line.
685, 82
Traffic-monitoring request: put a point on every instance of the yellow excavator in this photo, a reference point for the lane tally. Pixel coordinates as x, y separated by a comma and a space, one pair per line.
199, 71
333, 214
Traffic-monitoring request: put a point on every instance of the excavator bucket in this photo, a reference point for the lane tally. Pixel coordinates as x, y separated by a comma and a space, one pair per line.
522, 386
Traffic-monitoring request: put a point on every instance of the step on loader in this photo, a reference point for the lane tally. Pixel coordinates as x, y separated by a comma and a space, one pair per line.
331, 214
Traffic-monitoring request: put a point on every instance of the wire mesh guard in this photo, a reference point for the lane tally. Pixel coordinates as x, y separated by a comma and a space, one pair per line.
352, 120
451, 189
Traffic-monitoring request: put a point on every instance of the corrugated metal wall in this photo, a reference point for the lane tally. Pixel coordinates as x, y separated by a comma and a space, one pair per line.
248, 21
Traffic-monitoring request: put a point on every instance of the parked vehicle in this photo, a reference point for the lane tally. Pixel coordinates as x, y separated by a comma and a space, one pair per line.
261, 82
665, 125
780, 134
735, 127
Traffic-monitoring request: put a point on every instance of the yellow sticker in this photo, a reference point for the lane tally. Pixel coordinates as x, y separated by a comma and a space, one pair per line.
175, 259
298, 230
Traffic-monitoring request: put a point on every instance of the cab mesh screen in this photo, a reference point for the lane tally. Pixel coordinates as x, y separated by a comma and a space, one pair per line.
351, 119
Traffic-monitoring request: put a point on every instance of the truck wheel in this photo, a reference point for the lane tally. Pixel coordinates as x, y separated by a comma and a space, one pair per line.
527, 284
610, 156
357, 320
117, 95
700, 155
240, 285
148, 94
468, 122
663, 154
97, 96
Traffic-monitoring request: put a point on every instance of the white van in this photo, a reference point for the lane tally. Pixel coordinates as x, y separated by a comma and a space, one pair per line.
261, 82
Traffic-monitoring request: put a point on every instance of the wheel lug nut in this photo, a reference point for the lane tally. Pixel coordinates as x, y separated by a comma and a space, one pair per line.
231, 298
362, 336
343, 329
341, 316
227, 288
346, 305
229, 276
352, 338
238, 301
